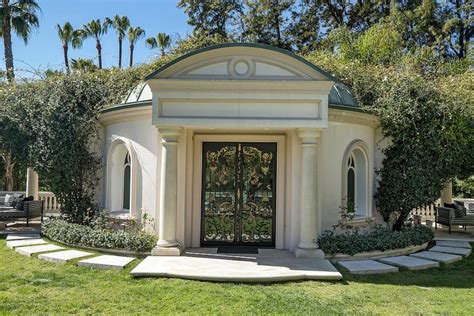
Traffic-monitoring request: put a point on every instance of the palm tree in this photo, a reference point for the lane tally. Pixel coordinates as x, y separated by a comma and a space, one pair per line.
21, 15
83, 65
121, 25
95, 29
67, 35
162, 40
134, 34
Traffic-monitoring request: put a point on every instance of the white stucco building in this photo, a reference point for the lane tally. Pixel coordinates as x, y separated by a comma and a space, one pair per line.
240, 145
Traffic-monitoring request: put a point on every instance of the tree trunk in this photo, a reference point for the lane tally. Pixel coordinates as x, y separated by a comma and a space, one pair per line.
7, 41
66, 59
397, 226
9, 164
120, 51
131, 54
99, 53
162, 49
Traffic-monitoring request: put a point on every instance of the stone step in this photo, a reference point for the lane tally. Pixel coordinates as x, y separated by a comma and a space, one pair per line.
31, 250
367, 267
437, 256
21, 236
452, 250
410, 263
64, 256
25, 242
106, 262
453, 243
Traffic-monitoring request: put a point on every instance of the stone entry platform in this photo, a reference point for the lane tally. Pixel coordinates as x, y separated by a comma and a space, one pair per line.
452, 250
268, 266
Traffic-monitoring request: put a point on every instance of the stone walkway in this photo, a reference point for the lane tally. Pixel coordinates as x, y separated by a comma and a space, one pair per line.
269, 265
30, 244
445, 252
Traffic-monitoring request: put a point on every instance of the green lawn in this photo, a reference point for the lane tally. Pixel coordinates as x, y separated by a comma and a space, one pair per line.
30, 285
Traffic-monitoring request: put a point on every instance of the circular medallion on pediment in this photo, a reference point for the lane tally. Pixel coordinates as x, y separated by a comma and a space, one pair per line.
241, 67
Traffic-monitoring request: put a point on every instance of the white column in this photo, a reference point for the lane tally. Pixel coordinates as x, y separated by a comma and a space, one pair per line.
167, 244
31, 183
309, 204
447, 194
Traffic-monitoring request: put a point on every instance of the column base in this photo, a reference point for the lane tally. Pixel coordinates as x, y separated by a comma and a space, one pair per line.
309, 253
167, 251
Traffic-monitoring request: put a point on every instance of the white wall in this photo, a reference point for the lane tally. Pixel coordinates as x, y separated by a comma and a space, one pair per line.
335, 140
143, 139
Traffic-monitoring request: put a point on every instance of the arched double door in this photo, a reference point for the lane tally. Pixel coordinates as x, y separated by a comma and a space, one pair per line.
238, 194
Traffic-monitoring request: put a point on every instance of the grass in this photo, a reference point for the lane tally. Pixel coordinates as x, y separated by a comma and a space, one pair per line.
33, 286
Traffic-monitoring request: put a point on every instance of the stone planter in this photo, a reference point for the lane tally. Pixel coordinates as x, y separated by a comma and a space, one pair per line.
376, 254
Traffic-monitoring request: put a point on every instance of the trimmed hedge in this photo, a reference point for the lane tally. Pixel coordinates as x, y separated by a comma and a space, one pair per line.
380, 239
80, 235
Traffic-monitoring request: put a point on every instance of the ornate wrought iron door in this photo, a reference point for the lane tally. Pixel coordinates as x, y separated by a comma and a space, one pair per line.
238, 194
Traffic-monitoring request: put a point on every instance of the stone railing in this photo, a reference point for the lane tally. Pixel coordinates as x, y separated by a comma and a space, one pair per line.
426, 212
51, 204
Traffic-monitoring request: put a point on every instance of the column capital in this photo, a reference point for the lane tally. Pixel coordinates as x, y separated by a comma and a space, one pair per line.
308, 136
170, 134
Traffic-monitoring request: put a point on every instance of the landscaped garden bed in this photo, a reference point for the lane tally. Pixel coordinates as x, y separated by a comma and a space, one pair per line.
91, 237
369, 244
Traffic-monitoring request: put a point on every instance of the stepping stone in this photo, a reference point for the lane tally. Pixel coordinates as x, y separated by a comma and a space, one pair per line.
437, 256
452, 250
22, 236
106, 262
453, 243
25, 242
31, 250
64, 256
367, 267
411, 263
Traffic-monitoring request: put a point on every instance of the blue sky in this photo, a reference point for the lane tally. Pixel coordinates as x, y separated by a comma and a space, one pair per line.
44, 48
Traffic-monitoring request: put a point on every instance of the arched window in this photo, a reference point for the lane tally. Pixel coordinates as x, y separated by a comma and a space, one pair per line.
121, 178
126, 183
355, 181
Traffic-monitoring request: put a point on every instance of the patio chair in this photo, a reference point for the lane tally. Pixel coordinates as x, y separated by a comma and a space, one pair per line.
32, 209
452, 216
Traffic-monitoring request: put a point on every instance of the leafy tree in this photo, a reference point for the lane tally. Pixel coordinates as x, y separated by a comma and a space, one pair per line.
21, 15
266, 20
64, 113
15, 134
459, 26
67, 35
162, 40
305, 26
211, 17
83, 65
134, 34
96, 29
121, 24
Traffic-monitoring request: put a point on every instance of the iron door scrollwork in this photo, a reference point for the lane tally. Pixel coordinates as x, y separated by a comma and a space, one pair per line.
238, 194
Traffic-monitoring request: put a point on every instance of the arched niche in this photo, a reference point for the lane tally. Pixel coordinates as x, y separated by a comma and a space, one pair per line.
356, 189
122, 167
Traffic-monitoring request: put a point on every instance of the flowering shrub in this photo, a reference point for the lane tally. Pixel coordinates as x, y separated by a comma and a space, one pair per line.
81, 235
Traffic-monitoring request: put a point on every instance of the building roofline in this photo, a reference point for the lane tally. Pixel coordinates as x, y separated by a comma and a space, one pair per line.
253, 45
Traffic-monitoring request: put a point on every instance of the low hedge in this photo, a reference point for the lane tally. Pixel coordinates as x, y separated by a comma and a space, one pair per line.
86, 236
380, 239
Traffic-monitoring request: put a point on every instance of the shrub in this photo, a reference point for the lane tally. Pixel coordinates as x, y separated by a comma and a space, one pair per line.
81, 235
381, 239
